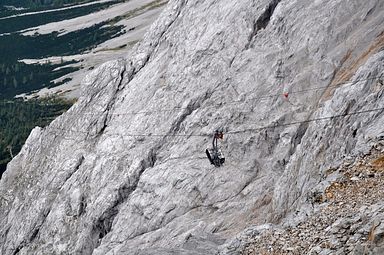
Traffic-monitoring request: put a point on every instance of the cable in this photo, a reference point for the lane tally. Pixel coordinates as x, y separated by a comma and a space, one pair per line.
237, 101
236, 131
307, 121
249, 99
133, 135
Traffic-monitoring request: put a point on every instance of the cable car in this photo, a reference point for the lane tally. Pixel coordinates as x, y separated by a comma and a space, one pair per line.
215, 155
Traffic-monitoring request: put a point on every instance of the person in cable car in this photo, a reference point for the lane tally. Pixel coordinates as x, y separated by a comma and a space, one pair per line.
215, 155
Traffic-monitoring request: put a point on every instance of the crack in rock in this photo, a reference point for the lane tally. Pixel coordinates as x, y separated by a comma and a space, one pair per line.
39, 223
112, 102
136, 66
263, 21
104, 223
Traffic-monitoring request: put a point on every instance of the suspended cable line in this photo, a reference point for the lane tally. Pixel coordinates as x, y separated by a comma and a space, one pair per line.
234, 132
214, 154
246, 100
307, 121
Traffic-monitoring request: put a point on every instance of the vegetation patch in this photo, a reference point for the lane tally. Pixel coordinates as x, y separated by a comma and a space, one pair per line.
42, 3
18, 118
11, 25
17, 78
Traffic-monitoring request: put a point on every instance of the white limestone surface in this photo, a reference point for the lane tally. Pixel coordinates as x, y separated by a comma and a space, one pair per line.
124, 170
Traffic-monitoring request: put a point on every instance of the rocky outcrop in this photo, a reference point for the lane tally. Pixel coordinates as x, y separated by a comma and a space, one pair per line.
346, 216
294, 85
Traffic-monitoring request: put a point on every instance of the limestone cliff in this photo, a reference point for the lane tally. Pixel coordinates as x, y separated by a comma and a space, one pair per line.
124, 170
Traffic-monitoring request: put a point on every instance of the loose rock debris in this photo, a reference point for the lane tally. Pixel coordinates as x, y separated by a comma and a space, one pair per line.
348, 218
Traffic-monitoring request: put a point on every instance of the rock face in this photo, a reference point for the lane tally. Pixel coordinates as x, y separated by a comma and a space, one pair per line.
346, 218
124, 170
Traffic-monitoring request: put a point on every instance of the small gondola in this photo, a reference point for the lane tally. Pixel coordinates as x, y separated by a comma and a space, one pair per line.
215, 155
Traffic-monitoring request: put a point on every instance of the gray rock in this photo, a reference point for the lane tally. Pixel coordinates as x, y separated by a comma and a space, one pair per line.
359, 250
124, 170
325, 252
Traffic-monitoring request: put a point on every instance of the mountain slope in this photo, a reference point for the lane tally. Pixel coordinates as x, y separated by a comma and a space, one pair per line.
45, 52
346, 219
124, 170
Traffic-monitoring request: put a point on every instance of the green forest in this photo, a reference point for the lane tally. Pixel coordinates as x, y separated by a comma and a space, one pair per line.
17, 77
15, 24
41, 3
18, 118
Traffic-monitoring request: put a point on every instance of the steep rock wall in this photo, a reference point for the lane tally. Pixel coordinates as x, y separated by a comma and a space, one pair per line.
124, 170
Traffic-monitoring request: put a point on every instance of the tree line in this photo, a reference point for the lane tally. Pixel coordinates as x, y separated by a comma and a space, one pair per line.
42, 3
18, 118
